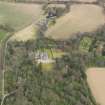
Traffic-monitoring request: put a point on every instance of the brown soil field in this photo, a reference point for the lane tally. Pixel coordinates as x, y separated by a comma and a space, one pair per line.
81, 18
96, 81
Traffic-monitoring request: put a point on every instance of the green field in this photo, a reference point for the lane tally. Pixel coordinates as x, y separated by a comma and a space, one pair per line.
18, 16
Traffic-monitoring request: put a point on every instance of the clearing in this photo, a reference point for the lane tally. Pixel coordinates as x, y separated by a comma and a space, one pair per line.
17, 15
96, 80
81, 18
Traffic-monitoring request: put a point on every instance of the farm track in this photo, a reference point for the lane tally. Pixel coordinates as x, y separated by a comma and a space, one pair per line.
1, 58
96, 81
58, 2
2, 47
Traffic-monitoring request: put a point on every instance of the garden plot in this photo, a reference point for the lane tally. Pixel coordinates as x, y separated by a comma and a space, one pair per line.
81, 18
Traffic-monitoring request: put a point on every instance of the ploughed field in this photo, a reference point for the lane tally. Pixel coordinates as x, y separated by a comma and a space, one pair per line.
19, 15
81, 18
96, 81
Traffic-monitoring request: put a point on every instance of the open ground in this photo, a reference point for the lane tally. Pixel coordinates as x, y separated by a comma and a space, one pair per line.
96, 81
81, 18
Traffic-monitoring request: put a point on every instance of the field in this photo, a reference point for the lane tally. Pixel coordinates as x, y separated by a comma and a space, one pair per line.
26, 34
96, 80
81, 18
18, 16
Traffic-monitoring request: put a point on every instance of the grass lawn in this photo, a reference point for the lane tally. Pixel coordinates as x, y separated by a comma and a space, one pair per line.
58, 53
85, 44
19, 15
47, 67
2, 34
54, 53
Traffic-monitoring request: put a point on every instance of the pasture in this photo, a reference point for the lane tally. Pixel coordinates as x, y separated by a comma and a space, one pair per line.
19, 15
96, 81
81, 18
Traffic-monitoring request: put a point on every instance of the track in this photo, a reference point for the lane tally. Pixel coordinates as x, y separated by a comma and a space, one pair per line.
56, 2
2, 51
1, 56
